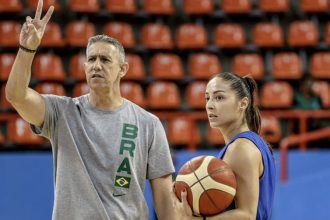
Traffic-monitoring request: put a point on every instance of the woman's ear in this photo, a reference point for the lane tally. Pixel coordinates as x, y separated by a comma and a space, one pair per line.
244, 103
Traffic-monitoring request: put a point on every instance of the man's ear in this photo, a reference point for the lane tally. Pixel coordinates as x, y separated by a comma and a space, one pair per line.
85, 67
123, 69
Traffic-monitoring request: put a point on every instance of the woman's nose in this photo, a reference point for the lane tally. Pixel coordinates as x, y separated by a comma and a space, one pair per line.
209, 104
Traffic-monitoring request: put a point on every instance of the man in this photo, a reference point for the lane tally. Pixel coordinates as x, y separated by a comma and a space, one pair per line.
104, 146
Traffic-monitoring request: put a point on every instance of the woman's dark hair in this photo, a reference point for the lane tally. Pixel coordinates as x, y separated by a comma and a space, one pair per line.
245, 87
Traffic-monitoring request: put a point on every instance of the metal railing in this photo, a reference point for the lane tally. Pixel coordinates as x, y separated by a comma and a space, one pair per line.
294, 140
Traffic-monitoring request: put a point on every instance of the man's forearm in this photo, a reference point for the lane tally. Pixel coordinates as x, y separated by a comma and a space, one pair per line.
20, 76
166, 212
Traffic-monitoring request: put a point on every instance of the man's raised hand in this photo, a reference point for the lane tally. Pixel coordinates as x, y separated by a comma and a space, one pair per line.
33, 29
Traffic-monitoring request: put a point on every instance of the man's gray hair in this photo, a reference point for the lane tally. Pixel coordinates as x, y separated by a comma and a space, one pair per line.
110, 40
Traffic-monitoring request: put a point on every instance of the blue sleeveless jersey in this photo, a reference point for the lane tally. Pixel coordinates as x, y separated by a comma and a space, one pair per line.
266, 181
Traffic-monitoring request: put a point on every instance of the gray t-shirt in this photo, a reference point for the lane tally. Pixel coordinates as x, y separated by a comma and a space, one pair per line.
102, 158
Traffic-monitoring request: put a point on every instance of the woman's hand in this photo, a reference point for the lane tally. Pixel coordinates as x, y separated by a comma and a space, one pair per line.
33, 29
182, 207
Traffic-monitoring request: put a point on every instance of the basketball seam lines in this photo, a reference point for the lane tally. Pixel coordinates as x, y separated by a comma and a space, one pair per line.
221, 170
199, 181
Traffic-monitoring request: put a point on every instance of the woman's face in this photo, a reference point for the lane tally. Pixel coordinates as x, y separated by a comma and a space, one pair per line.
222, 105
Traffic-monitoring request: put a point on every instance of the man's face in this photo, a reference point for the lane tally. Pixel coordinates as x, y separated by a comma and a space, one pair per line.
103, 68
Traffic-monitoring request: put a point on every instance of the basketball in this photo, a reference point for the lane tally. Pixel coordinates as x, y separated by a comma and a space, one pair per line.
210, 185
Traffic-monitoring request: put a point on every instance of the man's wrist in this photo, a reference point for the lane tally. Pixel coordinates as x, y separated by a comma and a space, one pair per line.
27, 49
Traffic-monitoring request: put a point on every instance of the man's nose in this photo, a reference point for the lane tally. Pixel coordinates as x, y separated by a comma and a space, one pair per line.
97, 64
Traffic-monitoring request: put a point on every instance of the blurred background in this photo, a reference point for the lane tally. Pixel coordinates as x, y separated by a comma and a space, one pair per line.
173, 48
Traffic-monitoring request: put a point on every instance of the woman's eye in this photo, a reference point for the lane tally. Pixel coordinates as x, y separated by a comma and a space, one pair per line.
218, 98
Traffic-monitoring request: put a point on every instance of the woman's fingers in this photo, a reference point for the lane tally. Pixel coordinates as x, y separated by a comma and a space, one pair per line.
184, 197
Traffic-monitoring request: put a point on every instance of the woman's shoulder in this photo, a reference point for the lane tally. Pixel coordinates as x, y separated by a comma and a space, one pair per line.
243, 156
243, 146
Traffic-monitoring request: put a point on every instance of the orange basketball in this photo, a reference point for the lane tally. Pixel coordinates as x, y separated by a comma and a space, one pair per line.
210, 184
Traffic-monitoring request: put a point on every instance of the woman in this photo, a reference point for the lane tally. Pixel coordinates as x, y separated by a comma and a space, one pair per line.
230, 108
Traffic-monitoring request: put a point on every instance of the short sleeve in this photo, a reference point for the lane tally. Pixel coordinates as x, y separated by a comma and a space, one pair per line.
51, 116
159, 160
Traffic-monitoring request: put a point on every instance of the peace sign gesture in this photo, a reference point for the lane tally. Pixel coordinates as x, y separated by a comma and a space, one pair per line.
33, 29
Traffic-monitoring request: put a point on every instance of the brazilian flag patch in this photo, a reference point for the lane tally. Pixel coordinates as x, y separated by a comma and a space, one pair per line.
122, 181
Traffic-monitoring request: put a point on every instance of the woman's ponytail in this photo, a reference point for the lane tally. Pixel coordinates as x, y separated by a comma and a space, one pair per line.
252, 117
